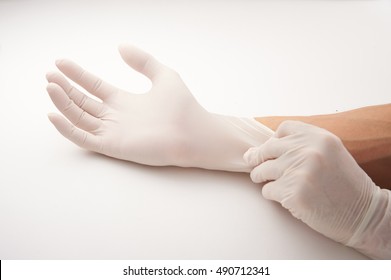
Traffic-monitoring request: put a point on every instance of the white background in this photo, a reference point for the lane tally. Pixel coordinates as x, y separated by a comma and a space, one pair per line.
245, 58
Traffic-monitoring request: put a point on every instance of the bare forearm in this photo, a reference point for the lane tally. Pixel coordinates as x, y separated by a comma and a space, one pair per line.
365, 132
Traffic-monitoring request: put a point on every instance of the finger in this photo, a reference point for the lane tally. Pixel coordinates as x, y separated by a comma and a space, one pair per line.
268, 171
86, 103
93, 84
75, 114
141, 61
80, 137
271, 149
273, 191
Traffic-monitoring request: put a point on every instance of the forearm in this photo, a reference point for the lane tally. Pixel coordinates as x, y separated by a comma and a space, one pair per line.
366, 133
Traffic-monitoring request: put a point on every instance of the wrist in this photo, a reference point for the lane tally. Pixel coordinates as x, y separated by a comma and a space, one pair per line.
240, 134
218, 142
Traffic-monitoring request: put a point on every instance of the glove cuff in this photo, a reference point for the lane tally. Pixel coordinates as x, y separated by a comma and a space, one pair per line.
255, 132
372, 236
251, 133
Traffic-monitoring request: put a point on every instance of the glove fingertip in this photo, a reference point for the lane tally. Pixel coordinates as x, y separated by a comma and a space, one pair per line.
249, 156
255, 177
53, 117
266, 192
49, 75
246, 157
60, 61
50, 87
122, 46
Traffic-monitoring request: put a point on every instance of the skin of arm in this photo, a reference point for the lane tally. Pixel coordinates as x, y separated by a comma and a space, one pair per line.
365, 132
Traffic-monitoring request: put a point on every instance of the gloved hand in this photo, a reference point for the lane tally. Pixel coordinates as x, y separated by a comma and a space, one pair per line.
308, 170
165, 126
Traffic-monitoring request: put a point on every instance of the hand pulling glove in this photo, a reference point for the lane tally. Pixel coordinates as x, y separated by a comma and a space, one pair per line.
309, 171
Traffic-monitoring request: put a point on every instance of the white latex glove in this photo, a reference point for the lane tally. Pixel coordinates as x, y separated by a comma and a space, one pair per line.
309, 171
165, 126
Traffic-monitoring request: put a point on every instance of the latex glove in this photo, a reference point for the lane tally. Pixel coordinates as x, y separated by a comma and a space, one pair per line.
308, 170
165, 126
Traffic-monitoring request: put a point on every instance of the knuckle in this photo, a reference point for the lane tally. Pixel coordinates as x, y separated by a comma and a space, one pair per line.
315, 161
71, 91
97, 85
303, 178
101, 111
83, 101
72, 132
314, 155
68, 107
84, 139
81, 75
328, 141
81, 118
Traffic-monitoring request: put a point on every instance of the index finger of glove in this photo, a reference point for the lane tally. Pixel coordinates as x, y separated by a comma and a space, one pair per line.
93, 84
